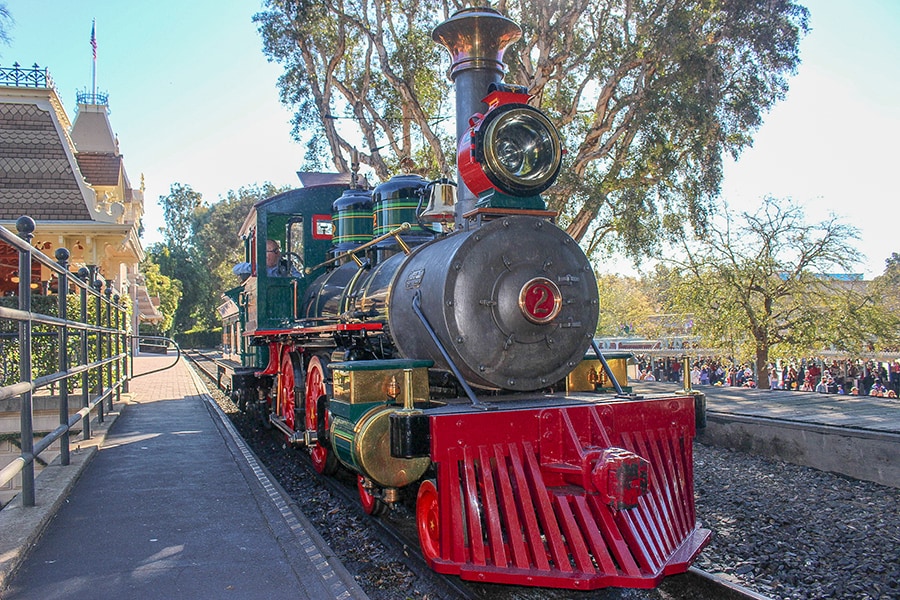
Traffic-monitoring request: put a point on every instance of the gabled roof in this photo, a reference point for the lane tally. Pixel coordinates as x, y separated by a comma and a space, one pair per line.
147, 307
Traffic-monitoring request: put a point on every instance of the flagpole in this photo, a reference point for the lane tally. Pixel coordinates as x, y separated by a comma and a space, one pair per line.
94, 63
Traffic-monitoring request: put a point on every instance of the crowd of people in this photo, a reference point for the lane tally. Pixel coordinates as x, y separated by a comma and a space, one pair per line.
850, 377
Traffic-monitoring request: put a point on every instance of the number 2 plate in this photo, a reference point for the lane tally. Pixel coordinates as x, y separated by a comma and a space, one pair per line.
540, 300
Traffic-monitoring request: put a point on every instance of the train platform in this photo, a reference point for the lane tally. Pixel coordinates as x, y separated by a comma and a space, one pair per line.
170, 504
857, 436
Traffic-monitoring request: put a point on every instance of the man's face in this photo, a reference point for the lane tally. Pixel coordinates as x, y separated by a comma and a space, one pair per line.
272, 254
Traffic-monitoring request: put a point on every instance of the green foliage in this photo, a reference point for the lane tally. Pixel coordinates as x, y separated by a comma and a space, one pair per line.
627, 306
648, 95
45, 338
191, 269
883, 313
218, 246
181, 209
168, 291
372, 64
200, 339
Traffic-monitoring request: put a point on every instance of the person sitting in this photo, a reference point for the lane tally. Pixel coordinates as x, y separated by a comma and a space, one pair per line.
276, 265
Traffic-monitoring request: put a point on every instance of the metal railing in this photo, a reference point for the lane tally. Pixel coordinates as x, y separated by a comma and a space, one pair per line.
160, 344
17, 76
98, 98
96, 338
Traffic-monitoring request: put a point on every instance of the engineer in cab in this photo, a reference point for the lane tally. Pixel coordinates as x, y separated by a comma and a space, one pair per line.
276, 265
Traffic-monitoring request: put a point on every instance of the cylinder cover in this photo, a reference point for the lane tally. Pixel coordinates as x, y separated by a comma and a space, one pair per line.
365, 447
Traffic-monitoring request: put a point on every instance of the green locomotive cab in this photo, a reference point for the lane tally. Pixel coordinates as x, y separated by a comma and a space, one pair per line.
282, 236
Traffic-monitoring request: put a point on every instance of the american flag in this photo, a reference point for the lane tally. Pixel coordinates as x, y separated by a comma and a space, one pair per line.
94, 39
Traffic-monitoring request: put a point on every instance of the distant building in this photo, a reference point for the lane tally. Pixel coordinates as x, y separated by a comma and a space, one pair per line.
71, 179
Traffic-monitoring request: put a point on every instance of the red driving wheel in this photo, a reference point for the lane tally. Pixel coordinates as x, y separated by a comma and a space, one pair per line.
323, 459
428, 520
287, 381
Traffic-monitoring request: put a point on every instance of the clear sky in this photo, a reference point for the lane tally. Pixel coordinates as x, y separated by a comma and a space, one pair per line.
194, 101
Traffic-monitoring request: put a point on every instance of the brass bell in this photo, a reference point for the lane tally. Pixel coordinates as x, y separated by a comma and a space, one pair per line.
441, 202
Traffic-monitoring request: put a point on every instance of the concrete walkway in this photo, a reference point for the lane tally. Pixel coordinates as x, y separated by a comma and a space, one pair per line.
174, 505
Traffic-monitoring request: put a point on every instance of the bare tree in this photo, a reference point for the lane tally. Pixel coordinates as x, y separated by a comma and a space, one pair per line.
6, 21
770, 279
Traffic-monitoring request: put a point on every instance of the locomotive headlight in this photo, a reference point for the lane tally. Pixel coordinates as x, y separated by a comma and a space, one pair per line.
520, 150
513, 148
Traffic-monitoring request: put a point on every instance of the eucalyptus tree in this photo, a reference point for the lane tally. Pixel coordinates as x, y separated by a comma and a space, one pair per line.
771, 281
362, 75
648, 95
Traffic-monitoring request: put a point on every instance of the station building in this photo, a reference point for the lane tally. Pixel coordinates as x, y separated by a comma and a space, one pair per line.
70, 178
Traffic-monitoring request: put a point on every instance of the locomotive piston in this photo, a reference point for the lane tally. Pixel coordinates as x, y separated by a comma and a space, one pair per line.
363, 418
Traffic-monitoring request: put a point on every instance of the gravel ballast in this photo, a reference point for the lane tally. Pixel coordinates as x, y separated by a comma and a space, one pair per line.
792, 532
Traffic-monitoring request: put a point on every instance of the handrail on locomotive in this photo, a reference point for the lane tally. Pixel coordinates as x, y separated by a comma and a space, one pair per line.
394, 233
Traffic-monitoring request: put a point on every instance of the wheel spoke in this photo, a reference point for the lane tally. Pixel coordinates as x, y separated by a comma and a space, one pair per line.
286, 383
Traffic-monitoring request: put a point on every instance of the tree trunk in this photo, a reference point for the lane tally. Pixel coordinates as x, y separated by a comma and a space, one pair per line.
579, 225
762, 367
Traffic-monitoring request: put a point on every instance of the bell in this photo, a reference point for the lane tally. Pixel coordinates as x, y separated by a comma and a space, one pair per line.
441, 202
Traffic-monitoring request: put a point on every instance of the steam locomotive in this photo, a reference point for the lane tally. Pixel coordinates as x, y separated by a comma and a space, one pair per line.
440, 340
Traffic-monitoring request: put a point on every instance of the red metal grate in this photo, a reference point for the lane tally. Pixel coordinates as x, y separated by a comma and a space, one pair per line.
528, 507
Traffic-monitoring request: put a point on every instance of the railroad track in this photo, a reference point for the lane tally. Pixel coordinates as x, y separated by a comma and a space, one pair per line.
397, 531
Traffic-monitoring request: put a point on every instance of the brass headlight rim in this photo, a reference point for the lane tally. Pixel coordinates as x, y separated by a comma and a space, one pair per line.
494, 169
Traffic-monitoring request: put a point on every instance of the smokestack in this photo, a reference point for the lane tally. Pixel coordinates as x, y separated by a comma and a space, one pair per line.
476, 39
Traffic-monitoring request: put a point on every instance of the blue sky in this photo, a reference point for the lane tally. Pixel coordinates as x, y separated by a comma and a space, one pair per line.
194, 101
